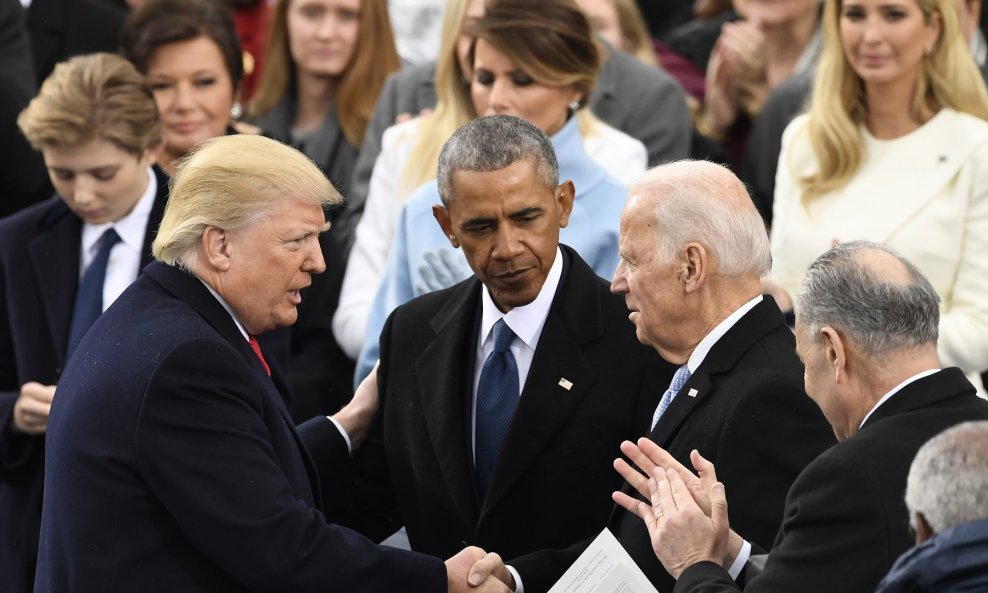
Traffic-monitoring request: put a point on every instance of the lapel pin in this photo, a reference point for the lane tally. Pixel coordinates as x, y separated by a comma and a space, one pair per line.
692, 393
566, 384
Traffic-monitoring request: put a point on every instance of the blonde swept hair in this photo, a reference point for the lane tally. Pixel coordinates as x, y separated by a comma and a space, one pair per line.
229, 182
372, 60
633, 31
949, 78
454, 107
97, 96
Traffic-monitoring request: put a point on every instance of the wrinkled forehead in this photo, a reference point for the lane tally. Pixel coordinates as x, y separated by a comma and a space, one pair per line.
512, 185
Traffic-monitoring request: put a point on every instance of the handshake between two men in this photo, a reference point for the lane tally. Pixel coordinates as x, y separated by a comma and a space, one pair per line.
687, 520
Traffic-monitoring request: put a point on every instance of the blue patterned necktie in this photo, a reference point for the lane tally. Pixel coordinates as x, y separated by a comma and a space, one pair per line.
678, 380
89, 297
497, 398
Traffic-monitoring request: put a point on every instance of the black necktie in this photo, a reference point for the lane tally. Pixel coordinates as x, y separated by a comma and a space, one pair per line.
497, 398
89, 298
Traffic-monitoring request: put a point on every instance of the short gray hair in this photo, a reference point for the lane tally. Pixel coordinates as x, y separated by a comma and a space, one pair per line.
948, 479
492, 143
705, 203
879, 313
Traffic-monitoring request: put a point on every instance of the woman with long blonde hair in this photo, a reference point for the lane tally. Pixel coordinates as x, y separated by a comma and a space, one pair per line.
894, 149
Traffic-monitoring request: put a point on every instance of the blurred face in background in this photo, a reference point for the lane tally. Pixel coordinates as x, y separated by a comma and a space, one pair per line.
604, 20
194, 93
884, 40
474, 12
500, 87
323, 35
774, 13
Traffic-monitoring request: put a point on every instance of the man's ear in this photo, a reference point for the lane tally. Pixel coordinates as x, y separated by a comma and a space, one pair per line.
215, 248
441, 214
565, 194
693, 267
152, 154
923, 529
836, 352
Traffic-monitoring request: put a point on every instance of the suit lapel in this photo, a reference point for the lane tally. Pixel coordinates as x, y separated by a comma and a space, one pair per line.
574, 320
760, 320
192, 291
922, 393
445, 373
155, 216
54, 257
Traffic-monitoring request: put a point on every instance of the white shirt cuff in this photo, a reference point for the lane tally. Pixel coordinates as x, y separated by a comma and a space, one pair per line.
346, 437
519, 587
740, 561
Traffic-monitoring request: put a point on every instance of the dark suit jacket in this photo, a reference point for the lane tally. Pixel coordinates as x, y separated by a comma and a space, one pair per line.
750, 417
173, 465
639, 100
553, 481
846, 520
23, 177
39, 274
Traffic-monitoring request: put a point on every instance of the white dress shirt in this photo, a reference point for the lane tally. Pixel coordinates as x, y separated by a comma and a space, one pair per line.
526, 322
708, 341
895, 390
125, 257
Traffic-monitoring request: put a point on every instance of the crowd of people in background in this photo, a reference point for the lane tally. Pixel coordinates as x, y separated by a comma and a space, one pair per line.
753, 145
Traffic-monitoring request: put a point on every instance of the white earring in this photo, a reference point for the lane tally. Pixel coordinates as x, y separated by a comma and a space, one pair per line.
574, 105
236, 111
928, 51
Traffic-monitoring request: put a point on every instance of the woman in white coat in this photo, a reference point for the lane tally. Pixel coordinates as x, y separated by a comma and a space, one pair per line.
894, 149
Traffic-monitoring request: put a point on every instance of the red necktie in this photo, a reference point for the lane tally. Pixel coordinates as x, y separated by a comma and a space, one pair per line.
257, 350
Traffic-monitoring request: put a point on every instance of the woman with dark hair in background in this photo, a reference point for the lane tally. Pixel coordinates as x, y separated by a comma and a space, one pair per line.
189, 51
190, 54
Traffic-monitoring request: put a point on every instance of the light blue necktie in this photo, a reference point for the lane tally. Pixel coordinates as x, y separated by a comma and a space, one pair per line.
678, 380
497, 398
89, 297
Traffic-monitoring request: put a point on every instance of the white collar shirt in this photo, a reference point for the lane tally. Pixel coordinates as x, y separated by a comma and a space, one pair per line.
526, 322
896, 390
125, 257
703, 348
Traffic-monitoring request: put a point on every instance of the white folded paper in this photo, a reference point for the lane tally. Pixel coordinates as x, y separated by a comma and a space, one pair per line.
605, 567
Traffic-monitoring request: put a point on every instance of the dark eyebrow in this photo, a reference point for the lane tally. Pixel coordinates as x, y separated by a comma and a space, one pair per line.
526, 212
477, 222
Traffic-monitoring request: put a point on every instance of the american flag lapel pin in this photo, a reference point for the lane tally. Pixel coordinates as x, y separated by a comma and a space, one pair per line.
566, 384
